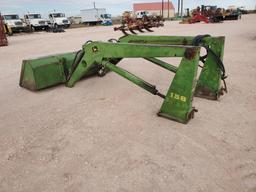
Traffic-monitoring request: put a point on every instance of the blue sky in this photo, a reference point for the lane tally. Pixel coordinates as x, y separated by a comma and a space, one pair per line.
114, 7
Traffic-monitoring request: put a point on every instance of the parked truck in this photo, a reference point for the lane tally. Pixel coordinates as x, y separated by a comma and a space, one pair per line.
96, 16
35, 21
58, 20
141, 14
14, 22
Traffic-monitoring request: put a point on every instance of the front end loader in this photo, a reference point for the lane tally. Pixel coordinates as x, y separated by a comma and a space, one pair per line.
98, 58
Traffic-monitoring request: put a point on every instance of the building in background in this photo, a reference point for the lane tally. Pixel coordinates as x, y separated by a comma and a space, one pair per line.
232, 7
156, 8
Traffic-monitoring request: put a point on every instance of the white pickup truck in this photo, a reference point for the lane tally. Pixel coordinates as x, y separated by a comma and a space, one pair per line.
141, 14
59, 20
35, 21
15, 23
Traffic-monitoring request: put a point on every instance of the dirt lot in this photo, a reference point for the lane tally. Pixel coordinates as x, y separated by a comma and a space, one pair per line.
104, 135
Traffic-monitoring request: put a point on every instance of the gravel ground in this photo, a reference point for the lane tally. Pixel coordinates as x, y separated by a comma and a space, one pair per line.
104, 134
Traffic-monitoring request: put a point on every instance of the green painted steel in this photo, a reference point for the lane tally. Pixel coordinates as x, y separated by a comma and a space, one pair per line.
96, 51
44, 72
162, 64
177, 104
209, 83
133, 78
162, 40
101, 57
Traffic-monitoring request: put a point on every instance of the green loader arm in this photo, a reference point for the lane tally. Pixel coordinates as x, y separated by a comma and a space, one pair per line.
177, 103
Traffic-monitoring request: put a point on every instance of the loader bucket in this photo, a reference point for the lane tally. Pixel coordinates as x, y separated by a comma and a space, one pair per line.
44, 72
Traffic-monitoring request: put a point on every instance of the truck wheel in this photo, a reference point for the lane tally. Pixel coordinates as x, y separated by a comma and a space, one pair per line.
10, 33
8, 30
30, 29
46, 28
55, 28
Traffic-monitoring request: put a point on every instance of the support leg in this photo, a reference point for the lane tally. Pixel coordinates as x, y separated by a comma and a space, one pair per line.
209, 82
178, 101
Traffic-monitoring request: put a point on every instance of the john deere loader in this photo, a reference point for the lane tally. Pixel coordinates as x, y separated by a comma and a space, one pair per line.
99, 58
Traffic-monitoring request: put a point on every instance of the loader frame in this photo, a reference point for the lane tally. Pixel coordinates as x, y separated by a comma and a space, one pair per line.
209, 83
101, 57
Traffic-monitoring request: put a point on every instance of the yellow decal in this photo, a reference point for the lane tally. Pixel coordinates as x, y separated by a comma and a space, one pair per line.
178, 97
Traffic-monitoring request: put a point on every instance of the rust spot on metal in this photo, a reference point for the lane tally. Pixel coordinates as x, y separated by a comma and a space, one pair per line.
29, 84
190, 53
191, 114
95, 49
204, 92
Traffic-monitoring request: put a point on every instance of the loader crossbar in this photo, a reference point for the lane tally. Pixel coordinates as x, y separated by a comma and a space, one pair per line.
209, 83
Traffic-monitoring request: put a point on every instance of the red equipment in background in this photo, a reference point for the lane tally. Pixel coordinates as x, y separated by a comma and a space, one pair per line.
206, 14
3, 38
197, 16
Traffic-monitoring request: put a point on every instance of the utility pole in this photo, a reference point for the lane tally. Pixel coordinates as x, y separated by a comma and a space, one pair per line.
178, 8
168, 9
94, 5
181, 9
163, 8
